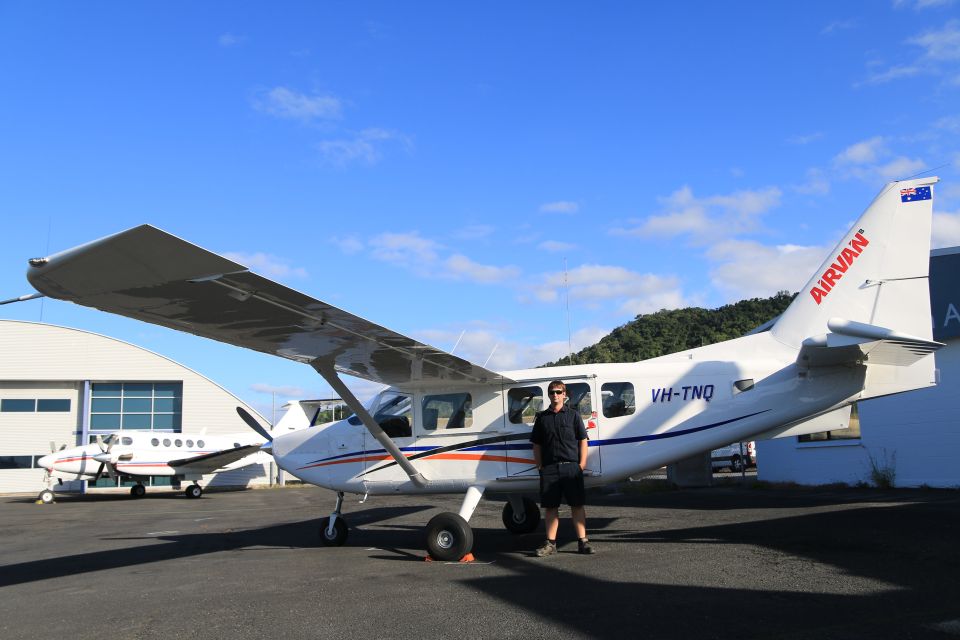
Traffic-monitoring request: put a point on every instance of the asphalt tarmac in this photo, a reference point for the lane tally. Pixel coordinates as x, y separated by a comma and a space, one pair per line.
728, 562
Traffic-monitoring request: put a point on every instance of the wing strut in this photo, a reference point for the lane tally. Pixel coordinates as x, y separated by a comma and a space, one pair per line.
329, 373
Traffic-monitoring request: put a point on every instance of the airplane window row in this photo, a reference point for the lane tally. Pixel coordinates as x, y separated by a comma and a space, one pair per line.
176, 443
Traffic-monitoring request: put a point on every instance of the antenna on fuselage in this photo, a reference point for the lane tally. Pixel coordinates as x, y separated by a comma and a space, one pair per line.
492, 351
457, 343
566, 289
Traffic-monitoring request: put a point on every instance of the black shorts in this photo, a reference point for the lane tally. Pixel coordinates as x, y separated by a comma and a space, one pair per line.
562, 480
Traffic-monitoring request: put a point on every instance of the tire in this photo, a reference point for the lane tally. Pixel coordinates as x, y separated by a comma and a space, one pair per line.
525, 524
736, 465
193, 491
340, 530
138, 491
449, 537
46, 496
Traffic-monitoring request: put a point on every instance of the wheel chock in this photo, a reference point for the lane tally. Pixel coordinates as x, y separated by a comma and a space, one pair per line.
467, 558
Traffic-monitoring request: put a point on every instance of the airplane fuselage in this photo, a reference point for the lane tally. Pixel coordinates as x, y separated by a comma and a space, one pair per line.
639, 416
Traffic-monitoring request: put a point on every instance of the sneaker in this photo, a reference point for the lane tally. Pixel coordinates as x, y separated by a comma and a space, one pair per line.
548, 549
583, 546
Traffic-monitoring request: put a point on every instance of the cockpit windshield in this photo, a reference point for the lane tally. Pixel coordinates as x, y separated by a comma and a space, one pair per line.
393, 411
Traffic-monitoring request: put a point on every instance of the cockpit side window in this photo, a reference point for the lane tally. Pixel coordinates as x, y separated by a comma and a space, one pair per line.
448, 411
523, 403
580, 398
394, 414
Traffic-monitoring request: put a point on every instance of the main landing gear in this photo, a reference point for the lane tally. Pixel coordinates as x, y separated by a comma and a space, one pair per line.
138, 490
193, 491
448, 535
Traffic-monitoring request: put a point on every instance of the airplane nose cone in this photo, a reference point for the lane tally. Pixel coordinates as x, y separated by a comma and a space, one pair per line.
47, 461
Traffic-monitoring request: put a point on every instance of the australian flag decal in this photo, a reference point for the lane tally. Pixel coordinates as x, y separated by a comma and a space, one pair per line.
914, 194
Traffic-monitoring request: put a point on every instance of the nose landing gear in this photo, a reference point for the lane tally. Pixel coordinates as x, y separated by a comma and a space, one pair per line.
334, 531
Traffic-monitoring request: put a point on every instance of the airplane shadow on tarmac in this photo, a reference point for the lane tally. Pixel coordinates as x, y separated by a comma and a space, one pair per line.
905, 554
294, 535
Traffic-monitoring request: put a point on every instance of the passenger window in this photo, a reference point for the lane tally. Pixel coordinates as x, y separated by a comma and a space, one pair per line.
200, 443
166, 442
618, 399
126, 441
179, 443
155, 442
447, 411
190, 444
523, 403
579, 397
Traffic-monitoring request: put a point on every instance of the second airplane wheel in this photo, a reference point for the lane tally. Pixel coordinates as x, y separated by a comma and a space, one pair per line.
449, 537
339, 535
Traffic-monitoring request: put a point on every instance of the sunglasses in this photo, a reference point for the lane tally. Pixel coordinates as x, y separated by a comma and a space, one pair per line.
556, 392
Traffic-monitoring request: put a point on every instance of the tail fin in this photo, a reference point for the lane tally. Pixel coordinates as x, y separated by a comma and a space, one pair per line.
878, 273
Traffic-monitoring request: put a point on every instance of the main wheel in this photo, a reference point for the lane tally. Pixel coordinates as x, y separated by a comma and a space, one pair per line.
449, 537
46, 496
193, 491
138, 491
340, 530
736, 465
521, 522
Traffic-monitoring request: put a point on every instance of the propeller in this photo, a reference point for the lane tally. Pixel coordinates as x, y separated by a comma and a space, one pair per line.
106, 459
254, 424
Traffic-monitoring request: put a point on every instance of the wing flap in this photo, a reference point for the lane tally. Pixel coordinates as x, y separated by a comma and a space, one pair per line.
153, 276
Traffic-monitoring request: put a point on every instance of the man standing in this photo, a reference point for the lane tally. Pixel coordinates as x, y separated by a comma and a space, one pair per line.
560, 451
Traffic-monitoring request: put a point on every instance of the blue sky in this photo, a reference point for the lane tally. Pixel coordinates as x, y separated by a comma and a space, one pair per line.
433, 167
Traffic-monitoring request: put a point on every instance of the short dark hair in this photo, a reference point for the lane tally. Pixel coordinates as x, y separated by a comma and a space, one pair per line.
557, 383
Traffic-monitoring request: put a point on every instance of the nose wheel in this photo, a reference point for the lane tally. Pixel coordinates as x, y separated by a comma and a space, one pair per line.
334, 531
45, 497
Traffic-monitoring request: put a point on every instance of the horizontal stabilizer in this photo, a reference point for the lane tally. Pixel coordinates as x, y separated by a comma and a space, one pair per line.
851, 342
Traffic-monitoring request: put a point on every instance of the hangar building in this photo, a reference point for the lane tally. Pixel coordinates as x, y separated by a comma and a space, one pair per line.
66, 386
911, 439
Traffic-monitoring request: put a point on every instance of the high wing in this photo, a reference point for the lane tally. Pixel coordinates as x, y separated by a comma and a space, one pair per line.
849, 342
148, 274
210, 462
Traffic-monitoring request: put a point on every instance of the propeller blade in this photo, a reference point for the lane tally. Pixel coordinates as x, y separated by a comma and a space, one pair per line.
100, 444
99, 472
53, 447
253, 424
112, 471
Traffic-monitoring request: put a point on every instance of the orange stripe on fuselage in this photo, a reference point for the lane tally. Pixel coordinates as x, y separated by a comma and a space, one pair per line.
483, 457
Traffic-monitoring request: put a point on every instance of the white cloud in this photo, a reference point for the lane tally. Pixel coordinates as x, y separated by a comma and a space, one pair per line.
230, 40
863, 152
267, 265
706, 218
286, 103
366, 146
405, 249
749, 269
349, 244
919, 5
943, 44
946, 229
298, 393
901, 168
817, 184
504, 355
893, 73
461, 267
805, 138
555, 246
635, 292
838, 25
474, 232
561, 206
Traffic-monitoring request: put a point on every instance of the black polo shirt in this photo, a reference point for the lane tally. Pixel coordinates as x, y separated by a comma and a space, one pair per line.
559, 435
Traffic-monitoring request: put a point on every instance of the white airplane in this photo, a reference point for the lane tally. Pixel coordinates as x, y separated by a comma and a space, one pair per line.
859, 329
141, 454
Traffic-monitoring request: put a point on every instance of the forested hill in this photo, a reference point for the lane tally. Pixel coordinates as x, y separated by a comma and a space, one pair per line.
663, 332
